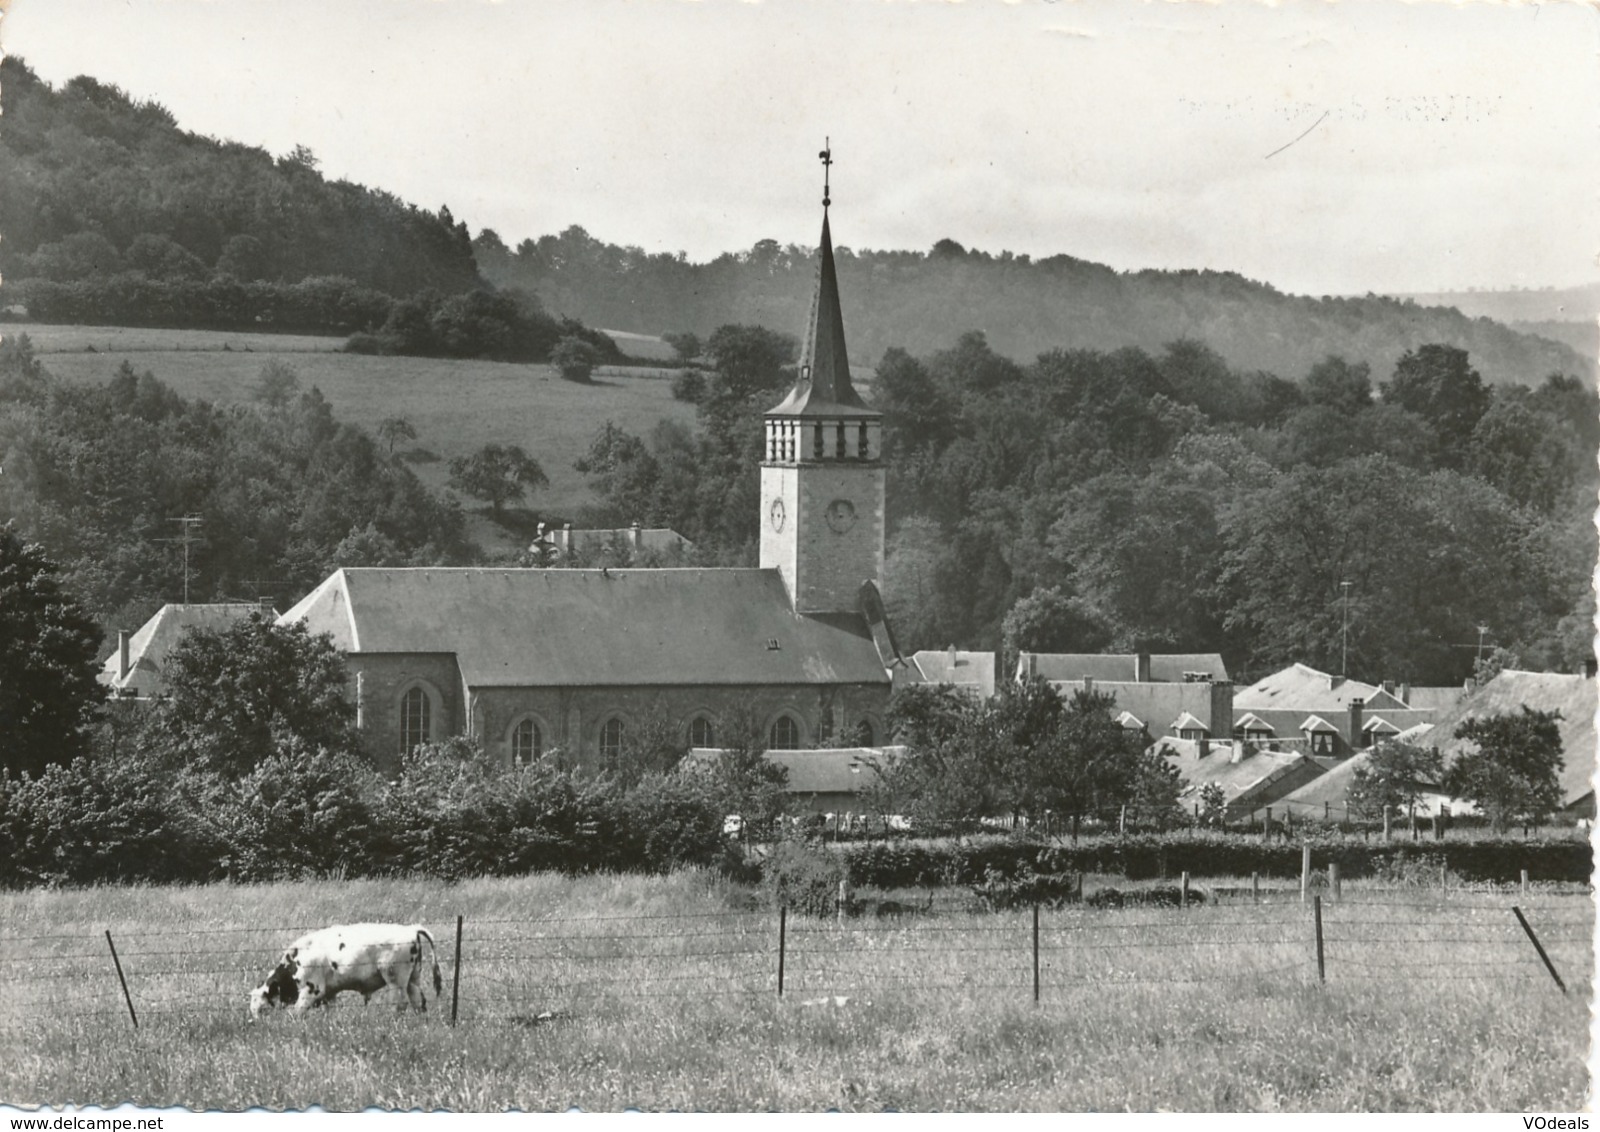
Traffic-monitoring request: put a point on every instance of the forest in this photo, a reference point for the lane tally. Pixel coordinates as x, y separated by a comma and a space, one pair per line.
1166, 502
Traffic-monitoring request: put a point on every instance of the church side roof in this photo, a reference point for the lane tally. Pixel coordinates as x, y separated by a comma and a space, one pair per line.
540, 628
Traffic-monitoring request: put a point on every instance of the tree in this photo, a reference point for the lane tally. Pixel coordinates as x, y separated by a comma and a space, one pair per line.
685, 344
1439, 384
277, 385
1395, 776
394, 429
498, 473
1340, 385
1512, 774
48, 691
235, 694
574, 358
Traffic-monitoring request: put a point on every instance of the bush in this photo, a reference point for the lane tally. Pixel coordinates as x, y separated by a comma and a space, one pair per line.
364, 343
689, 384
93, 821
803, 877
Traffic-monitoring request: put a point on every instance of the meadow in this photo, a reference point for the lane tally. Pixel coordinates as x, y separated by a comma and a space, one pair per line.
661, 993
455, 406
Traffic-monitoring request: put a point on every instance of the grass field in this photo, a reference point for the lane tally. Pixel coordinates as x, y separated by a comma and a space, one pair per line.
455, 406
664, 996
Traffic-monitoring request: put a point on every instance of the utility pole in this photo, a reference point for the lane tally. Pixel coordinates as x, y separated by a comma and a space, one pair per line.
189, 523
1344, 651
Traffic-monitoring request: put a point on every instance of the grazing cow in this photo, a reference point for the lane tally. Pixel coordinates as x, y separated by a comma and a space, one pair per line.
355, 957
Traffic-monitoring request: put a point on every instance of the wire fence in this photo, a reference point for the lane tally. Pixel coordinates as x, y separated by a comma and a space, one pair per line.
527, 970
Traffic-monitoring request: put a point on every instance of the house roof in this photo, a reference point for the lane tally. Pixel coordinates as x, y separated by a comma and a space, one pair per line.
1169, 668
542, 628
1130, 722
1317, 723
1433, 699
1304, 688
1378, 723
1237, 772
1573, 696
1187, 722
1249, 721
833, 770
971, 669
149, 647
1333, 787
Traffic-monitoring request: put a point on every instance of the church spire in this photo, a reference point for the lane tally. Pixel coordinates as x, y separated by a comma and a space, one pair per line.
822, 385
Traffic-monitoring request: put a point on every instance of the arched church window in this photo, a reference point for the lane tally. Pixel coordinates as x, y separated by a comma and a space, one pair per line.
785, 734
611, 739
702, 733
527, 744
864, 735
416, 719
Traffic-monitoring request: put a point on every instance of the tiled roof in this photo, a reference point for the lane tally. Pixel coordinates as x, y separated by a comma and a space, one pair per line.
149, 647
1249, 721
1238, 772
971, 669
823, 386
543, 628
1187, 722
1573, 696
1170, 668
1304, 688
1317, 723
835, 770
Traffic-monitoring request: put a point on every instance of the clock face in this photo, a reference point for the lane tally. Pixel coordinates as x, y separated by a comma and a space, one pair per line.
841, 515
775, 514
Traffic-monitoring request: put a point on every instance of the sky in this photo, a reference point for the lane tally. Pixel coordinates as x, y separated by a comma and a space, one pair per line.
1325, 148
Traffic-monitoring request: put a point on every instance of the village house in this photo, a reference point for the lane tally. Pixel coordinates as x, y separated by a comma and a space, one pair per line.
134, 670
1328, 717
541, 663
1183, 696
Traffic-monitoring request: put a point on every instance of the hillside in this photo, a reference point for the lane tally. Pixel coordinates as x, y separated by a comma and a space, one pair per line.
924, 302
1553, 304
95, 184
455, 406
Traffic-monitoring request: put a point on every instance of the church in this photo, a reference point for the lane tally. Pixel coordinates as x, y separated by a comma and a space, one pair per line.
553, 663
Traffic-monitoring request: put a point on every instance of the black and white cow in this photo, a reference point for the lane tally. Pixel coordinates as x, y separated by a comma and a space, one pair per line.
354, 957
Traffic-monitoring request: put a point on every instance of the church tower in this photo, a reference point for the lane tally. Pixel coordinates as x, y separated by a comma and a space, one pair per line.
822, 478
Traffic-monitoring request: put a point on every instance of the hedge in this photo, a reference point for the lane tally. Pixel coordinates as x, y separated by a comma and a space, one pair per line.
1147, 856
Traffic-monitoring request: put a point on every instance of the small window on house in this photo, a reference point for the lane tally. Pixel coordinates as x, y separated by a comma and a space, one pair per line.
1321, 743
416, 719
611, 739
527, 744
702, 733
785, 734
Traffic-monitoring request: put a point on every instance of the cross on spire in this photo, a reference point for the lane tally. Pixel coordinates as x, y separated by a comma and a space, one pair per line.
827, 160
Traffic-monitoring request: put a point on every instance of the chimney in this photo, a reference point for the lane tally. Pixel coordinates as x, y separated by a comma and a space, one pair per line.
1589, 667
1469, 686
953, 658
1238, 754
1033, 664
635, 536
1357, 707
1088, 685
1204, 746
1221, 721
999, 664
1334, 682
1405, 694
1141, 668
1388, 686
122, 654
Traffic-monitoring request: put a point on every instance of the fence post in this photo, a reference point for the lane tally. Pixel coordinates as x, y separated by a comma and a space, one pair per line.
1333, 879
844, 897
1255, 888
1386, 823
1036, 953
1539, 947
783, 931
126, 997
455, 979
1322, 972
1327, 811
1183, 892
1305, 871
1524, 884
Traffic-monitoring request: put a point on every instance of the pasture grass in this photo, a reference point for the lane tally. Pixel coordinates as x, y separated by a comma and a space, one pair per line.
664, 997
455, 406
